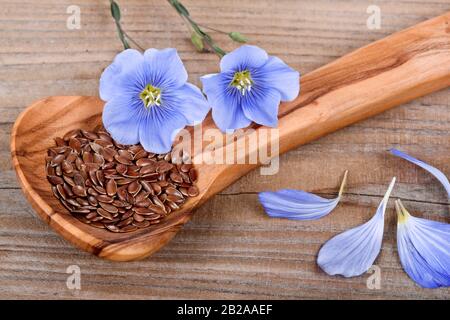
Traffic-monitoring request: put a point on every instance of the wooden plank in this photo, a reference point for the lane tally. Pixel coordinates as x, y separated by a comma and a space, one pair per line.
229, 249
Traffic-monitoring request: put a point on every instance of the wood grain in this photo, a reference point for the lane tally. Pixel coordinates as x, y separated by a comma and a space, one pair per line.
393, 70
208, 259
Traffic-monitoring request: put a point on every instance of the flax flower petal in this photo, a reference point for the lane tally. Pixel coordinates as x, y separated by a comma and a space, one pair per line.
424, 249
435, 172
297, 204
353, 252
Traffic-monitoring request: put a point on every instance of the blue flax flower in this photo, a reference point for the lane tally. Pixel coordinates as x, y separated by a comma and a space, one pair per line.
148, 99
353, 252
249, 88
298, 204
424, 249
435, 172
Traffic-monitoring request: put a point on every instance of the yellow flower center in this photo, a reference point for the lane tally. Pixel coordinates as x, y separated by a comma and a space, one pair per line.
151, 96
242, 81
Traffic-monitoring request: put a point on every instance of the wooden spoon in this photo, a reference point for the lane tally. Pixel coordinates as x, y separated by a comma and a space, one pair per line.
384, 74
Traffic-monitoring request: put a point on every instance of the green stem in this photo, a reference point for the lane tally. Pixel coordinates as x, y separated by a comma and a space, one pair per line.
123, 36
212, 29
184, 13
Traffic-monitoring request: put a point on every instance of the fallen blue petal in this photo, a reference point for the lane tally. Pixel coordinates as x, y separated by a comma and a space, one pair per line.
435, 172
297, 204
424, 249
353, 252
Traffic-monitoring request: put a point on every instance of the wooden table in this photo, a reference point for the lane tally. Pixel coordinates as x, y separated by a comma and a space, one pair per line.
230, 249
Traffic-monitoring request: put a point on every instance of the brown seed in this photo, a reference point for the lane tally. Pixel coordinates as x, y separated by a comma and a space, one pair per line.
58, 170
151, 177
157, 209
122, 160
92, 200
71, 157
55, 180
104, 213
92, 192
121, 168
173, 191
96, 147
100, 177
134, 187
153, 217
109, 207
193, 175
122, 193
140, 154
172, 205
61, 191
73, 202
78, 179
131, 174
145, 162
68, 190
185, 177
176, 177
124, 181
127, 214
108, 154
57, 160
49, 169
98, 159
71, 134
75, 144
93, 176
104, 198
141, 224
156, 188
59, 141
99, 189
112, 228
147, 169
125, 222
78, 163
175, 198
157, 201
185, 167
97, 225
193, 191
111, 187
141, 196
125, 154
91, 215
87, 157
129, 228
138, 217
79, 191
147, 186
108, 165
82, 201
66, 166
143, 203
89, 135
163, 166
